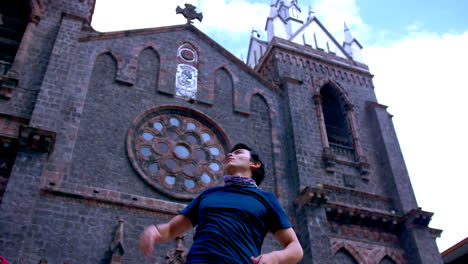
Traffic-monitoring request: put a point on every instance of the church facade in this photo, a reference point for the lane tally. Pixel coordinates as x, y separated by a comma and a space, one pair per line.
103, 134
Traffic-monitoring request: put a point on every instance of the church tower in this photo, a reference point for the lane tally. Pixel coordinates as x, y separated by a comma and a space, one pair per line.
354, 201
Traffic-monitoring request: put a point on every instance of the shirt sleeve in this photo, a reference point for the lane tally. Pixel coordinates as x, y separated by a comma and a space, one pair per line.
191, 211
279, 219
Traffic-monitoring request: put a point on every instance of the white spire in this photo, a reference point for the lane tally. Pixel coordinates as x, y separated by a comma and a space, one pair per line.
352, 46
348, 37
311, 13
273, 11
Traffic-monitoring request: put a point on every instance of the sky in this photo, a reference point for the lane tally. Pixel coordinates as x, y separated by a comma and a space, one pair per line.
417, 51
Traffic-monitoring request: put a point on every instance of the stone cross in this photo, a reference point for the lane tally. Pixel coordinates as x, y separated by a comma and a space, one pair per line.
189, 13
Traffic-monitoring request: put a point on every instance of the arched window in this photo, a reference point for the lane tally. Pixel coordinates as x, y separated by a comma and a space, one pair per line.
187, 72
387, 260
338, 128
14, 16
336, 124
343, 257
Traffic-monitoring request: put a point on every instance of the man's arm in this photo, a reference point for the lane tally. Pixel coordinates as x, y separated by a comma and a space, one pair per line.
163, 233
291, 252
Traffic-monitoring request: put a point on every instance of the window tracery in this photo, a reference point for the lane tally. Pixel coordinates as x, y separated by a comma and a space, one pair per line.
177, 151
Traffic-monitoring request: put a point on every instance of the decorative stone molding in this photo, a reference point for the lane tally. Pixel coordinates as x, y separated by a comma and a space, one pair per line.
346, 73
116, 247
105, 197
311, 196
8, 83
345, 214
417, 217
36, 139
363, 252
364, 168
179, 254
350, 248
329, 159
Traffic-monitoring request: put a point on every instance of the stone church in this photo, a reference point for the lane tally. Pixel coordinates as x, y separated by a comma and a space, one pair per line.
103, 134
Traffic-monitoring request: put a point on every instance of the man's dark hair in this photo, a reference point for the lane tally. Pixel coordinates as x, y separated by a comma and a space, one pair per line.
259, 174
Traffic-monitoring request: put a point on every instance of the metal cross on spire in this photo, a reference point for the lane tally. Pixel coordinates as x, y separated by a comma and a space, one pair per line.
189, 13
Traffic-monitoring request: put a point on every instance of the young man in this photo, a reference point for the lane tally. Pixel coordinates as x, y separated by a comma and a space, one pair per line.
232, 219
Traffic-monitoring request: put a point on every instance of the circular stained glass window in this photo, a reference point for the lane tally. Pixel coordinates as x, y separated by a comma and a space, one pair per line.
206, 137
179, 152
145, 151
182, 151
153, 167
158, 126
147, 136
191, 126
205, 178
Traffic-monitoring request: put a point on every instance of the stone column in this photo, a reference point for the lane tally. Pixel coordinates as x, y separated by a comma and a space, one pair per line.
313, 226
402, 189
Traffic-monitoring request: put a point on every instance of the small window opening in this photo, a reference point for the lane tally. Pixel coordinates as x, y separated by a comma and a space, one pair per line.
14, 16
335, 120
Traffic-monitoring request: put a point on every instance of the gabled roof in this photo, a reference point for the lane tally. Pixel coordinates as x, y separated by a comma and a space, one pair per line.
315, 19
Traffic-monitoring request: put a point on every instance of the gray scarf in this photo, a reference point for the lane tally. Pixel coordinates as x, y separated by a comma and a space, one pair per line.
239, 181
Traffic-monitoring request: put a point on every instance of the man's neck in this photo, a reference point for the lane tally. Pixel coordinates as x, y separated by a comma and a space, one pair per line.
247, 174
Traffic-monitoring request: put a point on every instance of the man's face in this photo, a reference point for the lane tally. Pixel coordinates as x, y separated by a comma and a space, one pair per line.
237, 160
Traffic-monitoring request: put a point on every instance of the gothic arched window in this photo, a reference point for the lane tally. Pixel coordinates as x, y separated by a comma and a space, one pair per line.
187, 72
336, 124
343, 257
387, 260
338, 128
14, 16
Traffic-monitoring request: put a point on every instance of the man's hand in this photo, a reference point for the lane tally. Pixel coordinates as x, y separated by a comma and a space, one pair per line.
270, 258
147, 240
163, 233
290, 254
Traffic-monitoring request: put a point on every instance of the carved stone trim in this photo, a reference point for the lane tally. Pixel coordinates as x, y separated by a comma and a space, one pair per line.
36, 139
417, 217
7, 86
312, 196
179, 254
375, 218
110, 197
329, 159
117, 247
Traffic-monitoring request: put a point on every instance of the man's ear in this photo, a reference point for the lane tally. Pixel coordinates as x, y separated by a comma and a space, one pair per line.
255, 165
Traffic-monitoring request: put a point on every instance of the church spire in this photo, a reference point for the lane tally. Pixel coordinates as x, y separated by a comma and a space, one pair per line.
283, 21
351, 45
311, 13
348, 37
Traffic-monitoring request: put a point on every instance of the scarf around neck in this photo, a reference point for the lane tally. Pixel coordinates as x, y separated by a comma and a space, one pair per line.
239, 181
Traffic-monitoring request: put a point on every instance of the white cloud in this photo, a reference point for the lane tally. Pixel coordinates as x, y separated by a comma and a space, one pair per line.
233, 17
423, 80
114, 15
333, 14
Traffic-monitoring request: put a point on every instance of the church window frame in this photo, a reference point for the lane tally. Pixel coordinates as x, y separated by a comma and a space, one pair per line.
186, 77
333, 153
186, 164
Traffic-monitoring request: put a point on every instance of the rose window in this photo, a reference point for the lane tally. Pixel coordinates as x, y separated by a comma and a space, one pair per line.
178, 151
